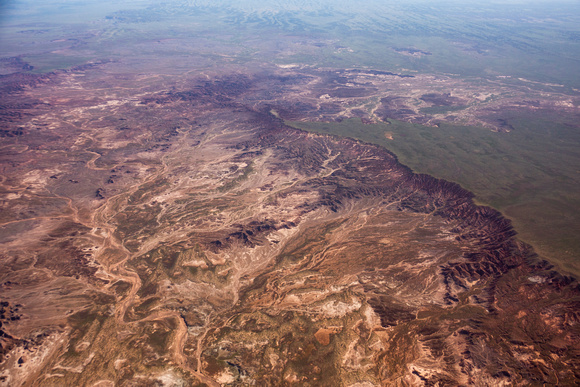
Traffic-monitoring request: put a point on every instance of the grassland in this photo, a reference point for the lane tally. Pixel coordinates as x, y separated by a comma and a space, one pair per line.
470, 40
531, 173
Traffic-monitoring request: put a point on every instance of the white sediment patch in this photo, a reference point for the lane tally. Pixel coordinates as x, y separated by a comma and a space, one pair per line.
336, 309
170, 379
225, 378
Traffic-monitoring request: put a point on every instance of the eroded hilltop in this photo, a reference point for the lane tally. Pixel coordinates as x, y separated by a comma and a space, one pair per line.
183, 235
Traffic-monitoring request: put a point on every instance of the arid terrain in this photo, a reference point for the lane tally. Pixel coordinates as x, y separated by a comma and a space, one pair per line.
174, 231
228, 194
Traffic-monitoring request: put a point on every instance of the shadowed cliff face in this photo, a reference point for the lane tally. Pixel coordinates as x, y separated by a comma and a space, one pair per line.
184, 234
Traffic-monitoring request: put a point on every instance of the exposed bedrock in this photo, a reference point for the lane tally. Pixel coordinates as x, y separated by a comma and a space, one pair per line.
228, 248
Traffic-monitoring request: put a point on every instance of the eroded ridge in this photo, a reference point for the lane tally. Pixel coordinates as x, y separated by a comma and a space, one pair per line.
186, 236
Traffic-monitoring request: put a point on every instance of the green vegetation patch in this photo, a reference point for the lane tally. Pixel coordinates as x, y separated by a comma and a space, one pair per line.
531, 173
